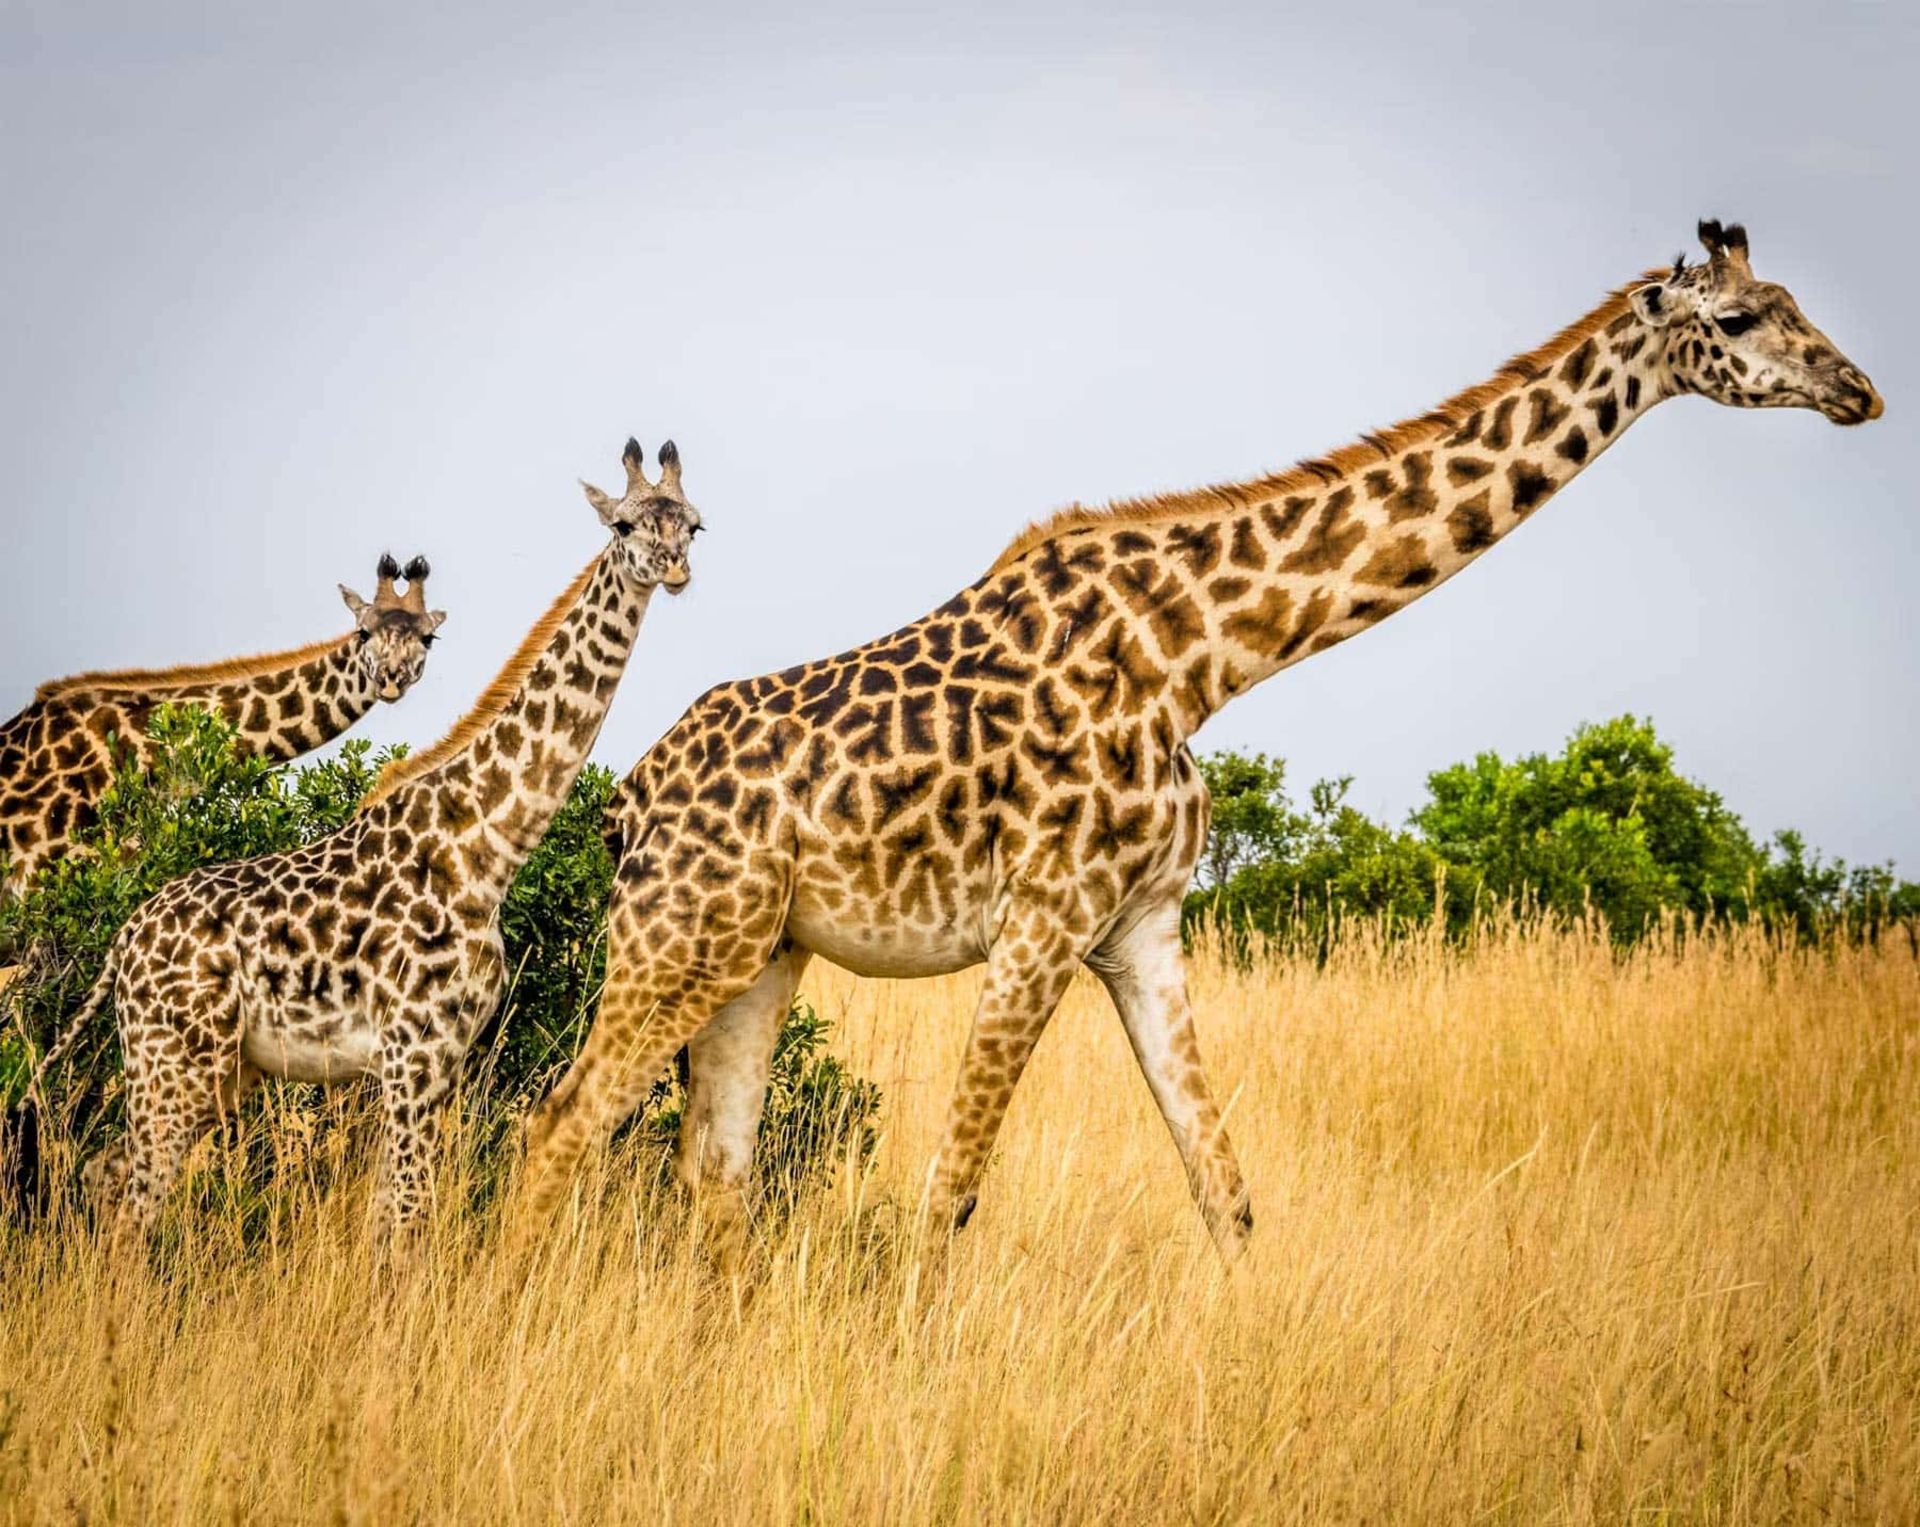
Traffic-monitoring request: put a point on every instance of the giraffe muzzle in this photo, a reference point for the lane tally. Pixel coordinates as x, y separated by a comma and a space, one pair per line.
1853, 399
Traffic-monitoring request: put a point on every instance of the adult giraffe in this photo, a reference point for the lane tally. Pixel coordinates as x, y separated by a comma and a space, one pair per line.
1007, 780
57, 756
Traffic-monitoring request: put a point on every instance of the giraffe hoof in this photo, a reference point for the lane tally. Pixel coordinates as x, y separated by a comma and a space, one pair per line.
963, 1210
1231, 1231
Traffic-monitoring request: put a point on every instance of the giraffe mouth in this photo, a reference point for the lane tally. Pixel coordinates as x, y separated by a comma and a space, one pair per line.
1853, 402
1851, 411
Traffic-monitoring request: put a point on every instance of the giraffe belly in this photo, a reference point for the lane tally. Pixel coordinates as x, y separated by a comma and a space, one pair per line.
880, 949
330, 1049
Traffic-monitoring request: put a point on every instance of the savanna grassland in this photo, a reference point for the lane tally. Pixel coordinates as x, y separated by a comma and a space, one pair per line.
1546, 1232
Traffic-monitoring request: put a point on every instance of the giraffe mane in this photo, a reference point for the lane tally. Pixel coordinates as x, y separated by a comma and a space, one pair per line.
1320, 471
186, 676
493, 701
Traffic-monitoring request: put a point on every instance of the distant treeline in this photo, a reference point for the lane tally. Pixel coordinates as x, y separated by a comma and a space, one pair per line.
1606, 826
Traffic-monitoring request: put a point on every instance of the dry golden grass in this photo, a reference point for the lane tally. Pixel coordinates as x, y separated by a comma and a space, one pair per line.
1542, 1235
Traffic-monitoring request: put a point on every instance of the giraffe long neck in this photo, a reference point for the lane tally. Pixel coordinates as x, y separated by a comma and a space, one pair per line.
64, 747
281, 713
496, 781
1230, 585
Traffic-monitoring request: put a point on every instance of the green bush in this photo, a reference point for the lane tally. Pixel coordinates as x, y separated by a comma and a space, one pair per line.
1302, 872
554, 923
1608, 825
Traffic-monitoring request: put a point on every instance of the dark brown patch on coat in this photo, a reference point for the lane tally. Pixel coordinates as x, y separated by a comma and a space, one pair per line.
1245, 550
1530, 485
1548, 415
1575, 369
1400, 564
1500, 432
1416, 497
1471, 524
1261, 626
1331, 540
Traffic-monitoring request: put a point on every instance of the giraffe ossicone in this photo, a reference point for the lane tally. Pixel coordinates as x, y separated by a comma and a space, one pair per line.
374, 951
1007, 779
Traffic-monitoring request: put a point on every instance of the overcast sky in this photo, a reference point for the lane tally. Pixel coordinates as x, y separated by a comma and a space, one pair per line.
286, 288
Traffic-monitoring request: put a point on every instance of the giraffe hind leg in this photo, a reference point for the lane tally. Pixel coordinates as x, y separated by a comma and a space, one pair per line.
728, 1066
1144, 971
174, 1096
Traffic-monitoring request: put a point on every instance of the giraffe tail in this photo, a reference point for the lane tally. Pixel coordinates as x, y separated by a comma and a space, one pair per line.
20, 1130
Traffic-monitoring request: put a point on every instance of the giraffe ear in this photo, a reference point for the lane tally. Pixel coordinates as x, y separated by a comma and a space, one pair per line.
362, 611
602, 505
1653, 304
432, 623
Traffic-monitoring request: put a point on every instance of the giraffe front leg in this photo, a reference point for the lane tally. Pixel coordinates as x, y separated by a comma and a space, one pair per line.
692, 927
1144, 970
1028, 971
415, 1082
642, 1021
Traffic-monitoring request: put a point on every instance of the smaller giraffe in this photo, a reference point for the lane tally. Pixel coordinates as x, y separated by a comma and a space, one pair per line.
376, 950
58, 755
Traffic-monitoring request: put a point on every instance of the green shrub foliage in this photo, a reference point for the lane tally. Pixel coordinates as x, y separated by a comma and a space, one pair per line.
1608, 825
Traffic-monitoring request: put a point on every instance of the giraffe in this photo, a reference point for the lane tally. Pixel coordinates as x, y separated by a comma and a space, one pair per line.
57, 756
376, 950
1007, 780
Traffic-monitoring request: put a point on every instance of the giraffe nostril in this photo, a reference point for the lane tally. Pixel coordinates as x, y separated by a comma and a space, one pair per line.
1852, 399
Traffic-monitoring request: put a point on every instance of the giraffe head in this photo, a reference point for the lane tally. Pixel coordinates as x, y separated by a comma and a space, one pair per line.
1745, 342
394, 629
653, 524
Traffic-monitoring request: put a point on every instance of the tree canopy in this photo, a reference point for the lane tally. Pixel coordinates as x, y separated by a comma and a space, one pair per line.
1608, 825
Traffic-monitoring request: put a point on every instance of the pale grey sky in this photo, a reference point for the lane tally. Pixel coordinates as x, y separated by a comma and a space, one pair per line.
287, 286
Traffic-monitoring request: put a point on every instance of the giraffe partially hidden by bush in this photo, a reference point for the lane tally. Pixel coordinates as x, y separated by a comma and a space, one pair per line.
376, 950
58, 755
1007, 780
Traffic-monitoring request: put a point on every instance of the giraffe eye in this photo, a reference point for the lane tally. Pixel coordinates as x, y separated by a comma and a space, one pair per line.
622, 528
1731, 324
428, 640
